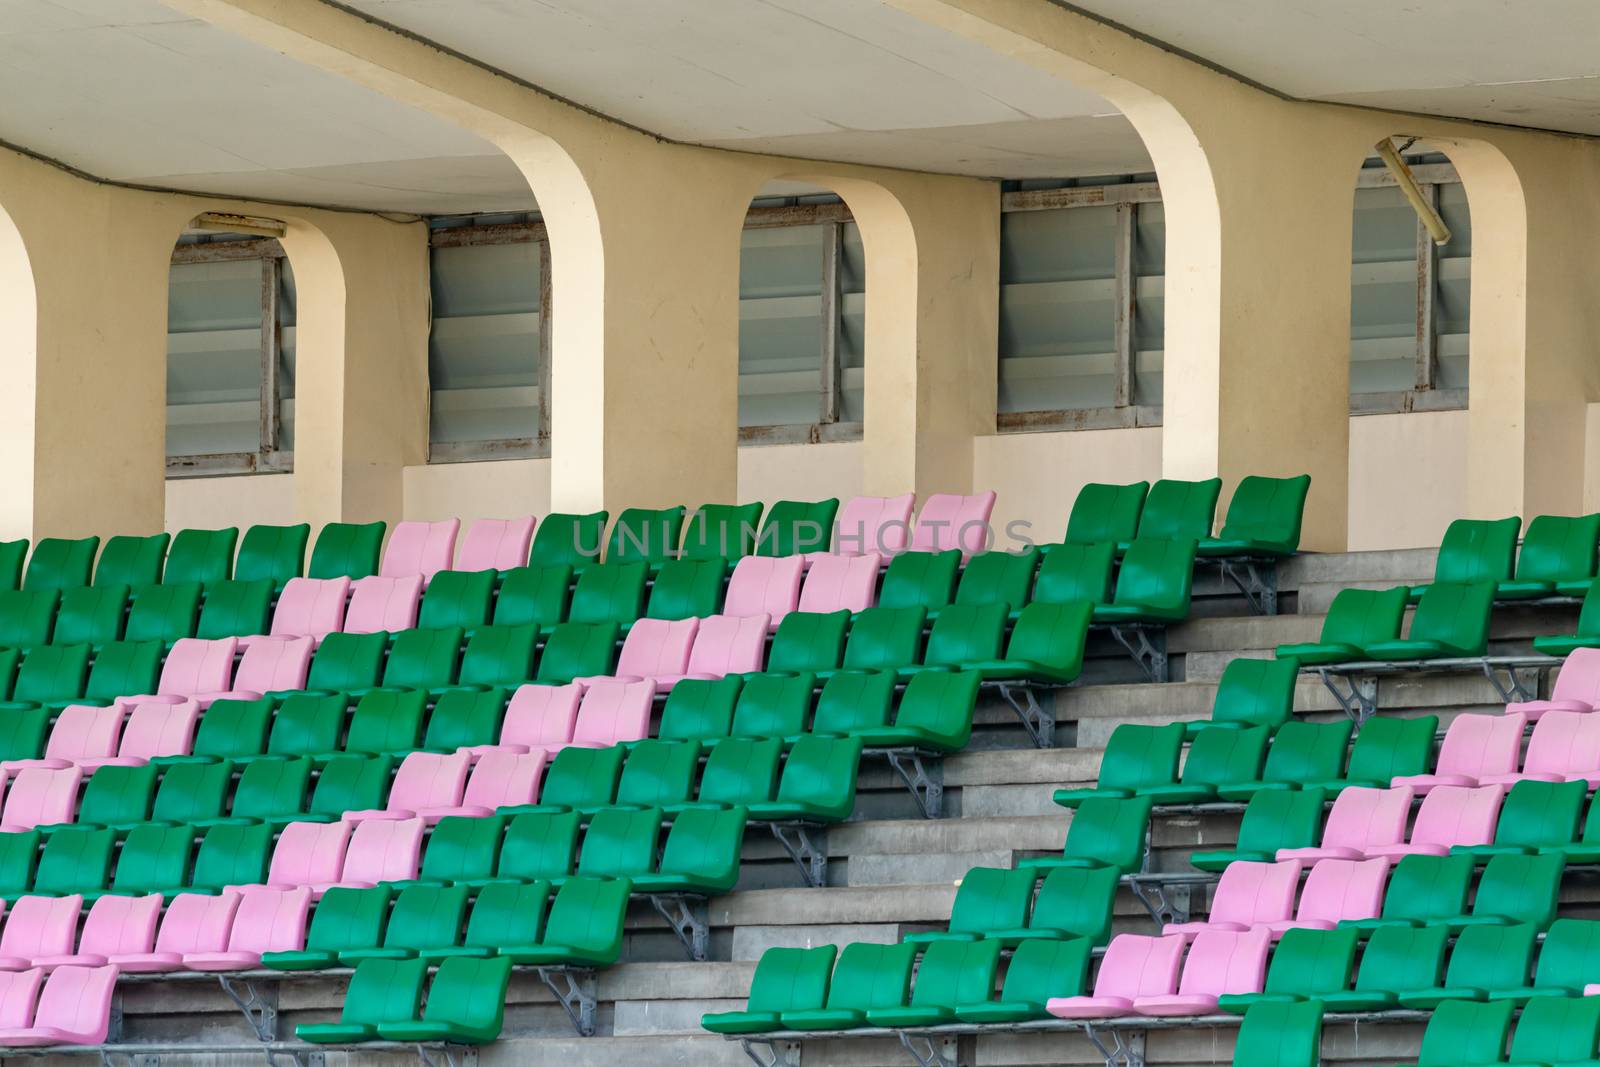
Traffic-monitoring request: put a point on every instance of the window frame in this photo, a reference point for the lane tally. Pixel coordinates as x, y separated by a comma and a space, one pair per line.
269, 457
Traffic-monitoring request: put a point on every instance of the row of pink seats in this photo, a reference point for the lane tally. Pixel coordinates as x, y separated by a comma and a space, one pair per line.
1481, 750
1261, 896
1140, 975
1576, 688
71, 1007
551, 717
318, 856
1369, 823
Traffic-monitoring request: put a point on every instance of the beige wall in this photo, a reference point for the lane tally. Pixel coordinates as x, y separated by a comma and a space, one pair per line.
248, 500
1036, 476
501, 489
1408, 478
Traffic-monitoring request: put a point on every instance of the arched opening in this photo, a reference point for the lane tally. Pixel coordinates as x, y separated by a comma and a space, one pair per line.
19, 340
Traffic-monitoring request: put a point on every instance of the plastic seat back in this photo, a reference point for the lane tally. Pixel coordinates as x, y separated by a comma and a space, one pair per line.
118, 796
1280, 1035
22, 733
466, 719
884, 639
701, 709
582, 778
1363, 818
1075, 571
1362, 617
195, 667
1456, 616
1075, 902
386, 720
346, 548
272, 665
381, 603
203, 556
726, 644
687, 589
12, 555
1539, 815
658, 773
196, 922
936, 709
270, 920
1519, 889
154, 859
425, 917
118, 926
383, 850
52, 672
164, 612
645, 535
499, 656
159, 729
420, 548
1256, 692
991, 899
232, 856
423, 659
41, 926
59, 563
76, 1004
871, 976
1579, 677
1477, 550
721, 531
840, 583
1307, 752
381, 991
458, 598
1138, 756
611, 592
577, 650
124, 668
955, 972
533, 596
84, 732
309, 853
765, 586
348, 918
1388, 747
1251, 893
41, 797
1106, 513
1558, 548
504, 779
656, 648
791, 979
132, 561
1568, 956
312, 607
1109, 832
741, 771
1218, 757
1479, 745
307, 722
1426, 889
73, 860
704, 845
344, 662
496, 544
1462, 1031
1156, 578
541, 716
587, 915
924, 580
468, 997
998, 577
612, 712
429, 780
820, 777
566, 540
1557, 1029
1342, 889
235, 609
1221, 962
874, 526
795, 528
272, 787
1267, 513
1052, 635
1178, 510
26, 618
462, 849
539, 845
1137, 965
1307, 962
620, 843
949, 520
275, 553
808, 642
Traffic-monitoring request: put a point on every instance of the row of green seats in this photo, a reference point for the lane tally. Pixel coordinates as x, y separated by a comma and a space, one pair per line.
1263, 520
1558, 556
465, 1003
1010, 906
1553, 1030
1451, 621
101, 614
1585, 635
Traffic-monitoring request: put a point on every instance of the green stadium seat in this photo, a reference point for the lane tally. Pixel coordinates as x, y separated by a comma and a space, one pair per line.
1586, 849
234, 609
154, 859
1568, 958
584, 928
346, 550
1104, 832
570, 541
1263, 518
808, 642
578, 650
425, 660
73, 860
1136, 756
1557, 1030
687, 589
1395, 958
164, 613
658, 774
924, 580
533, 596
989, 899
348, 663
345, 919
644, 535
1557, 558
381, 991
852, 701
9, 659
462, 850
1451, 620
867, 977
949, 973
1106, 513
609, 593
1073, 903
786, 980
422, 917
195, 794
349, 783
1534, 816
1356, 619
1387, 748
22, 732
701, 854
794, 528
499, 656
1273, 819
1045, 647
582, 779
725, 532
1076, 571
1483, 958
27, 619
1422, 890
230, 729
132, 561
231, 855
1305, 965
89, 615
307, 722
458, 598
1216, 758
818, 783
1300, 752
700, 709
1251, 692
773, 705
272, 791
1515, 889
1587, 634
19, 857
1178, 511
963, 633
118, 797
883, 639
53, 675
740, 771
12, 555
501, 914
1473, 551
273, 553
1462, 1032
465, 718
58, 563
1038, 970
998, 577
934, 714
539, 846
1280, 1035
204, 556
384, 721
1153, 584
619, 843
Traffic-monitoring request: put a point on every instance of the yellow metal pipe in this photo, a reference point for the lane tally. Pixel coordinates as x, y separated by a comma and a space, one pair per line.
1408, 186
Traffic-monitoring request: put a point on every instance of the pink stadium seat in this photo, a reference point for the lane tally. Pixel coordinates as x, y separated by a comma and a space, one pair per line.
613, 712
420, 548
309, 607
1134, 966
950, 521
82, 733
194, 923
1475, 746
1248, 894
381, 850
1219, 962
195, 669
726, 644
540, 717
74, 1009
873, 525
427, 782
1565, 747
379, 603
840, 583
1362, 820
153, 729
19, 992
41, 796
269, 665
657, 650
37, 927
1577, 687
115, 926
496, 544
1450, 815
309, 853
500, 779
272, 920
762, 585
1336, 890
